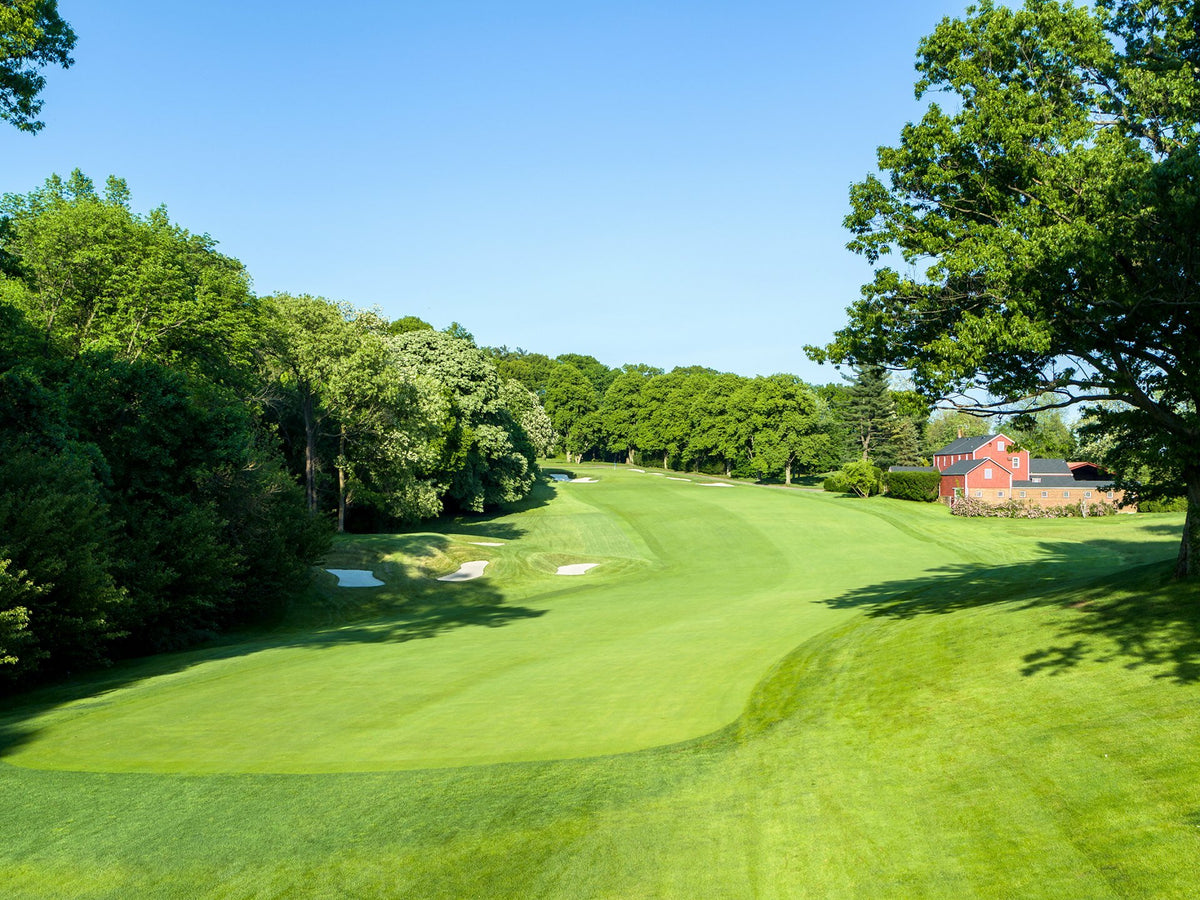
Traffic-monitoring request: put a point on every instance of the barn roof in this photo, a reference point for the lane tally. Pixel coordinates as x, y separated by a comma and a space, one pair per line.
965, 444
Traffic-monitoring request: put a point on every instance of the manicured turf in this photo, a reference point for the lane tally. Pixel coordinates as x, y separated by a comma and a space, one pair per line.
757, 692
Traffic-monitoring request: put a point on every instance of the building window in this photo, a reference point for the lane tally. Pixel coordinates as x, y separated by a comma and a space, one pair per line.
1016, 462
979, 493
1023, 494
1110, 495
1000, 494
1036, 480
1067, 495
1087, 495
1000, 446
1045, 493
987, 473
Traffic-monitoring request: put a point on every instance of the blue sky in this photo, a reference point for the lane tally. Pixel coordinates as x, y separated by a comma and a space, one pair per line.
644, 182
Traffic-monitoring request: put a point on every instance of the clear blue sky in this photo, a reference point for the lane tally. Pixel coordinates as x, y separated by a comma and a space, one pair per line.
644, 182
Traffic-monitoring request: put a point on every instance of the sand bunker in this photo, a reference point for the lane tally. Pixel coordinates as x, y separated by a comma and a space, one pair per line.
486, 544
673, 478
467, 571
576, 569
583, 481
355, 577
643, 471
713, 484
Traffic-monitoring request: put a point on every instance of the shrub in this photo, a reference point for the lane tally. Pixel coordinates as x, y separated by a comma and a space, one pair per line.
1166, 504
919, 486
836, 483
972, 507
862, 478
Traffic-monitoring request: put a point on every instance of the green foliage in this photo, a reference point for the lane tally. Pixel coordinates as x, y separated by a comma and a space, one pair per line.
486, 457
1034, 235
862, 478
836, 483
947, 425
919, 486
32, 35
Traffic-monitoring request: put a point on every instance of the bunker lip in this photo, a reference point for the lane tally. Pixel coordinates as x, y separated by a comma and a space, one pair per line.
350, 578
467, 571
486, 543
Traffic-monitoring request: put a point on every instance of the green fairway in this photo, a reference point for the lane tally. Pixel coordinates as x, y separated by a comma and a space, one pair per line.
757, 692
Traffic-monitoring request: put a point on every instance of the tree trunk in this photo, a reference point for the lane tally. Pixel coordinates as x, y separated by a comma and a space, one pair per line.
728, 469
666, 458
1188, 565
341, 526
629, 456
787, 474
310, 451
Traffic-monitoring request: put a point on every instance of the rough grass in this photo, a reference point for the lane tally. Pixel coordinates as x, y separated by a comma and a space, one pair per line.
767, 694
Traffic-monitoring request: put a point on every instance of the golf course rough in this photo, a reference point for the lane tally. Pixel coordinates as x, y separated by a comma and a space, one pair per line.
754, 693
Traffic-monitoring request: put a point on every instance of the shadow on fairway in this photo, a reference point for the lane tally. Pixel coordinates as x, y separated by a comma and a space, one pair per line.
410, 606
1119, 608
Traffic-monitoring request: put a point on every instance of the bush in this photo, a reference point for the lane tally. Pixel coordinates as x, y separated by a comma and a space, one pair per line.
862, 478
1166, 504
920, 486
1015, 509
835, 483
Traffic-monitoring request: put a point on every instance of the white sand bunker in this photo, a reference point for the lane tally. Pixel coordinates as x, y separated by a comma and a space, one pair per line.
486, 544
355, 577
583, 481
673, 478
467, 571
643, 471
576, 569
558, 476
713, 484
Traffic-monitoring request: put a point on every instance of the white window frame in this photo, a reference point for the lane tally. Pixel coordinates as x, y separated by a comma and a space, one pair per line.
1016, 462
987, 474
1000, 446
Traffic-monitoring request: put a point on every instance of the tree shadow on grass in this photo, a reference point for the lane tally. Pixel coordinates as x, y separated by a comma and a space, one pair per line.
411, 605
1117, 606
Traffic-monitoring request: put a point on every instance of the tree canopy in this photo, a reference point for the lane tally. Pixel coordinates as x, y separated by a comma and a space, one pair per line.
32, 35
1044, 220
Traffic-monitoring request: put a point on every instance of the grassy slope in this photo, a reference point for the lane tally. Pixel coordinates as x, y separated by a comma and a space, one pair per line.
936, 733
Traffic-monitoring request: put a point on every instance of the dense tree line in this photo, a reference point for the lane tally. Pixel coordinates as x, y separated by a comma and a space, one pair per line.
175, 451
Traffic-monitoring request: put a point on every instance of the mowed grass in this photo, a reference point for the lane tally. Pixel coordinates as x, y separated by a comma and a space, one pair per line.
758, 693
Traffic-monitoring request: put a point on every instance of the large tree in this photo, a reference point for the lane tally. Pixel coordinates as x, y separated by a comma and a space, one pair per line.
32, 36
1046, 224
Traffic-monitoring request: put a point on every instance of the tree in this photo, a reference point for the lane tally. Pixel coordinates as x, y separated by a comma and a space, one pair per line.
871, 416
97, 277
786, 427
485, 457
947, 425
32, 35
1047, 222
572, 404
623, 407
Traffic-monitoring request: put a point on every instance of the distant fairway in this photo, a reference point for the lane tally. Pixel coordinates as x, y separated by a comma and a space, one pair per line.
757, 692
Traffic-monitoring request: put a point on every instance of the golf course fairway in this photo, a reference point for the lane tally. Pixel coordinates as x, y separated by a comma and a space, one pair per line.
755, 692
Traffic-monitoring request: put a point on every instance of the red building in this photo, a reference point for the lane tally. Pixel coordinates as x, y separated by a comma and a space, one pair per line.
990, 468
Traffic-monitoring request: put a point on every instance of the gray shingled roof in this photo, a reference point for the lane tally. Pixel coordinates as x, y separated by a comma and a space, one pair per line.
963, 466
1050, 482
965, 445
1048, 467
911, 469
